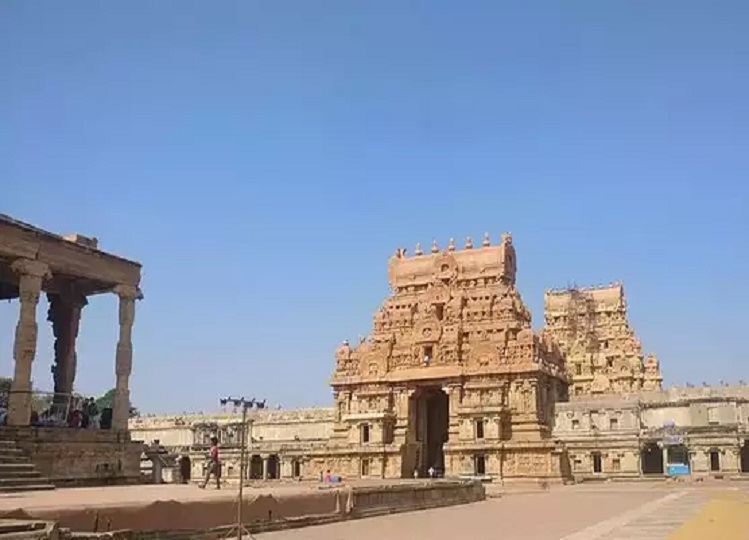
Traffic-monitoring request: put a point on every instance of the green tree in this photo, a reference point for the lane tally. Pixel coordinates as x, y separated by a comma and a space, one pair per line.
39, 401
106, 401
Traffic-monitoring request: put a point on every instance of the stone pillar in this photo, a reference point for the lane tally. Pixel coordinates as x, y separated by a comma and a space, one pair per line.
638, 456
265, 467
128, 294
65, 315
736, 455
453, 402
665, 460
534, 398
31, 277
400, 431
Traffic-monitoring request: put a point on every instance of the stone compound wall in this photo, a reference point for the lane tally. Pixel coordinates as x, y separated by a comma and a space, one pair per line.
291, 436
619, 421
709, 419
267, 427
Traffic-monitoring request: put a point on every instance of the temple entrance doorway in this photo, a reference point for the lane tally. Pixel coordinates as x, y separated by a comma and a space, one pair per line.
744, 457
185, 469
714, 460
429, 417
677, 455
273, 467
651, 457
677, 460
256, 467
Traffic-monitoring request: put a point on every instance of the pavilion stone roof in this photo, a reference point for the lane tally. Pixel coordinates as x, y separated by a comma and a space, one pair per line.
75, 261
73, 239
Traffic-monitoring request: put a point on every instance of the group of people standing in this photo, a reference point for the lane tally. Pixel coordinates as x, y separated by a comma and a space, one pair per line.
81, 413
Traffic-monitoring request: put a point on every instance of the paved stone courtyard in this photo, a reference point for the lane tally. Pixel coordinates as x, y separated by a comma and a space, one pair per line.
606, 512
615, 511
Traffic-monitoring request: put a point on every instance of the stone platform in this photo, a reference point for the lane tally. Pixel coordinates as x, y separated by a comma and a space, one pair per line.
69, 457
148, 509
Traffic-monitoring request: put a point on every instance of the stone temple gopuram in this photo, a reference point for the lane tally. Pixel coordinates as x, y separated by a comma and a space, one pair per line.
452, 376
602, 353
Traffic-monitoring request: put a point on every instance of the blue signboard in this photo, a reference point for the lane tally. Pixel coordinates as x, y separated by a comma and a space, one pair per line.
677, 469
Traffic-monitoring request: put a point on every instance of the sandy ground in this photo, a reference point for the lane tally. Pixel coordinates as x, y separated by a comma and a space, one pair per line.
569, 513
135, 495
143, 508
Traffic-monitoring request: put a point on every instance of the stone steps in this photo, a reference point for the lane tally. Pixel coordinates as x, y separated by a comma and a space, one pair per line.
33, 530
15, 466
17, 472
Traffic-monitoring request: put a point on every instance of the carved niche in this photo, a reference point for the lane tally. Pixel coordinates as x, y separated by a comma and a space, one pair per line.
651, 365
346, 361
438, 293
445, 268
374, 356
382, 321
428, 330
454, 308
600, 384
483, 355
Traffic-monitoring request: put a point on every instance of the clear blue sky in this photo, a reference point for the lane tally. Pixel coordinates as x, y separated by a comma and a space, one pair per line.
263, 160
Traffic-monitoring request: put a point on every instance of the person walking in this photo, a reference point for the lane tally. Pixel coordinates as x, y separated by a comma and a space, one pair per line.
214, 465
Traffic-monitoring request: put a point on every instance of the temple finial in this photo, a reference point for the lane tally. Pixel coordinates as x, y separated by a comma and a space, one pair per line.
435, 247
486, 242
418, 250
469, 243
451, 245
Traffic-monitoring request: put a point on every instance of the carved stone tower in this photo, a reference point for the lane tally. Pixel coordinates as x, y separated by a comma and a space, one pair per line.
602, 353
452, 378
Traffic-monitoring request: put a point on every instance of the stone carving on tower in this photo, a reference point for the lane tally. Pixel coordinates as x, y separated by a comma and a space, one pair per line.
451, 363
602, 353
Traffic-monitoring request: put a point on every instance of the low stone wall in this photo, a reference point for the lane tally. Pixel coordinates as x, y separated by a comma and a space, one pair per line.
212, 519
80, 457
189, 515
376, 500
